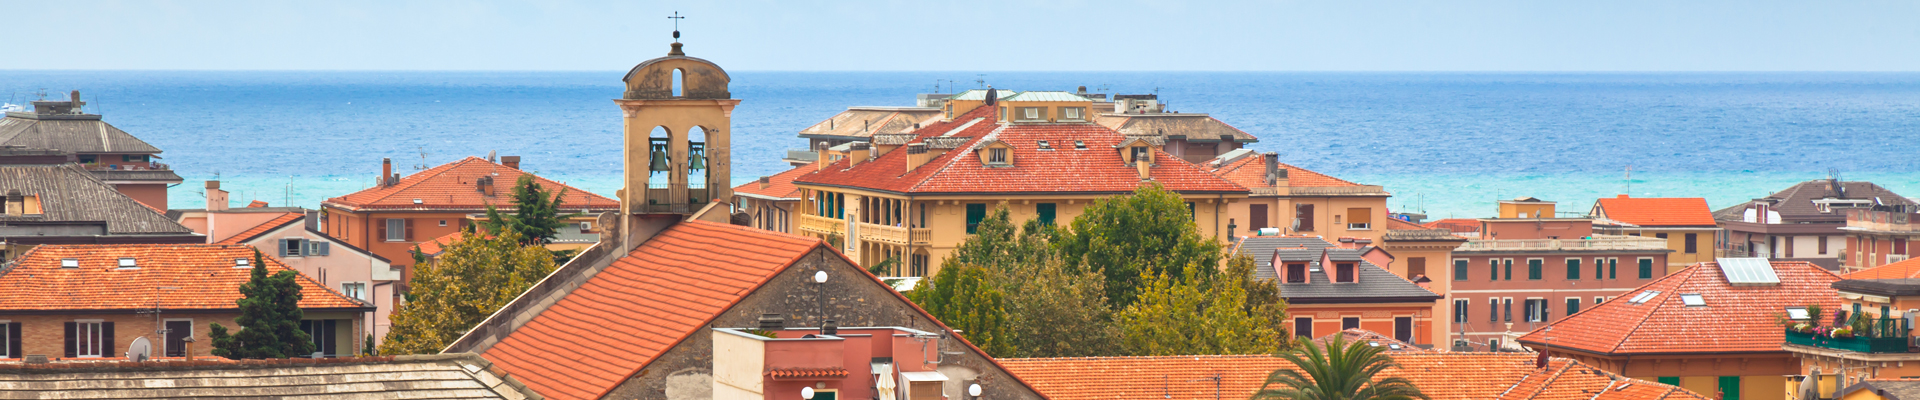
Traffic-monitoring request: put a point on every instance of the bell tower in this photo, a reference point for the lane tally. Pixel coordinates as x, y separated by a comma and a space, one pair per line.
677, 129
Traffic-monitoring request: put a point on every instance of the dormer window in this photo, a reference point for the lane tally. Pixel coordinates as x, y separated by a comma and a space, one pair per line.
997, 155
1296, 273
1141, 153
128, 263
1079, 145
69, 263
1043, 145
1343, 272
1073, 114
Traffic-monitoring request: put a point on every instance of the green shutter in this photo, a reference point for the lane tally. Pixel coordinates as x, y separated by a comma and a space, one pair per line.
1730, 388
1598, 272
1670, 380
1613, 268
975, 213
1046, 212
1459, 270
1495, 263
1573, 269
1533, 269
1509, 264
1646, 268
1573, 306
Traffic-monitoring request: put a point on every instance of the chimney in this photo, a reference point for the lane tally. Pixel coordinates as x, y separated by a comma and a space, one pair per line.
77, 103
485, 185
1145, 168
858, 153
1275, 175
16, 203
772, 322
830, 328
386, 170
917, 155
216, 198
820, 158
765, 182
510, 161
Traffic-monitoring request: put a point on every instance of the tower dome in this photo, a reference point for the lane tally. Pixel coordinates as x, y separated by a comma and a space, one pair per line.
699, 79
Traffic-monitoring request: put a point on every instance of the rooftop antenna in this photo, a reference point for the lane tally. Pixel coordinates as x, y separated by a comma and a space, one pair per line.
980, 80
423, 159
676, 25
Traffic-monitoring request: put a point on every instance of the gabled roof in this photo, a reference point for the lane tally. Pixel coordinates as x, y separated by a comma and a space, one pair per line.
1906, 269
271, 225
1373, 283
1098, 169
1251, 171
458, 375
71, 194
1656, 211
435, 246
452, 186
1441, 376
1736, 319
862, 122
779, 186
1796, 202
199, 276
1196, 128
76, 134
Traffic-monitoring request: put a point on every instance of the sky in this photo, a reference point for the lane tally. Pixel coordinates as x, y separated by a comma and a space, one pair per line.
973, 35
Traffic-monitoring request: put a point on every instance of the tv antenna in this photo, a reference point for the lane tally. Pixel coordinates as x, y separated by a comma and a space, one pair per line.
1629, 183
676, 24
980, 80
423, 160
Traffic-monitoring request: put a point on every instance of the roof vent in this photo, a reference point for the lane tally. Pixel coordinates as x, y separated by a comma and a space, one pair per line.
69, 263
772, 322
128, 263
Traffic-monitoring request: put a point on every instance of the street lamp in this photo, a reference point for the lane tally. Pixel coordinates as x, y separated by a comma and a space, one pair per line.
806, 393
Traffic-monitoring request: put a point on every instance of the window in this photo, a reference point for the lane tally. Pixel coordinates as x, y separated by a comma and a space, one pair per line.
242, 263
1141, 153
9, 340
975, 213
357, 290
1693, 243
1660, 235
1573, 268
920, 262
443, 222
1822, 240
1303, 218
1613, 267
1494, 265
315, 248
1537, 310
1597, 300
1079, 145
1459, 270
1416, 266
1573, 305
89, 159
1599, 272
323, 332
1509, 266
1534, 268
1493, 310
1646, 268
1303, 327
128, 263
1789, 247
89, 338
1730, 387
69, 263
997, 155
1296, 273
396, 230
1042, 145
1797, 313
1403, 329
1192, 214
292, 247
1030, 113
1349, 323
1359, 219
1073, 113
1507, 314
1693, 300
1460, 311
1045, 212
1343, 272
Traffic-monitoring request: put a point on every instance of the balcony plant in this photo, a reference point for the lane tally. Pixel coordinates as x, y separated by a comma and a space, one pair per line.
1842, 333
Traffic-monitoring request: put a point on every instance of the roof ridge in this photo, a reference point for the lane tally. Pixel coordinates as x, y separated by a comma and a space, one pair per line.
1283, 164
424, 176
1555, 376
236, 239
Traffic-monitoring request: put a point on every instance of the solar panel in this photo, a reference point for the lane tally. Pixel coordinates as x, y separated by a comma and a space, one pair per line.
1748, 271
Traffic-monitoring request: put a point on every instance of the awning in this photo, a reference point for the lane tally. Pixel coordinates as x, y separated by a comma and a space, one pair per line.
927, 376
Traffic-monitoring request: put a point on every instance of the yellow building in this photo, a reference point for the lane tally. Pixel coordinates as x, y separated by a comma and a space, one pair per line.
914, 197
1684, 222
1296, 201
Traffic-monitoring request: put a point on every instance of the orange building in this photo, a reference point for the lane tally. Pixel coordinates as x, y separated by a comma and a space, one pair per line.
1685, 223
1295, 201
391, 218
1330, 288
770, 200
1885, 296
1880, 235
1710, 328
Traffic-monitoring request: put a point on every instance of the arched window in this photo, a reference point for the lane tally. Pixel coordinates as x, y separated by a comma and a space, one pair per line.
659, 158
697, 162
678, 82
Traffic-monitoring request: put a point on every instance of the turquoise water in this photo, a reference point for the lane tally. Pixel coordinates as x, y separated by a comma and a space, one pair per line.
1446, 143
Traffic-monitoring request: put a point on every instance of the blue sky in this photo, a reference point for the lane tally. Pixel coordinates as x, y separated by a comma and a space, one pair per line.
972, 35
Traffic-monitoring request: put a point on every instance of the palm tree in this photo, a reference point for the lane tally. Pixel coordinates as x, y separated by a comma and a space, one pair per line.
1341, 371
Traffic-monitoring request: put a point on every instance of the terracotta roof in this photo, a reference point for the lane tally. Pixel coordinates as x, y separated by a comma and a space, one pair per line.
662, 292
1357, 334
204, 275
1736, 318
263, 228
1457, 225
1908, 269
807, 373
1097, 169
1565, 379
860, 122
435, 246
452, 186
1657, 211
1442, 376
257, 204
1397, 224
1251, 171
779, 186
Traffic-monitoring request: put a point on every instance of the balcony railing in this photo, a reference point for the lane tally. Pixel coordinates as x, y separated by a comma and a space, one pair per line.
1596, 243
884, 233
1858, 344
152, 166
802, 155
822, 225
922, 236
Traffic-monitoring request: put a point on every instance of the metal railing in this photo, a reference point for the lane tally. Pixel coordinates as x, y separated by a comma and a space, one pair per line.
1599, 242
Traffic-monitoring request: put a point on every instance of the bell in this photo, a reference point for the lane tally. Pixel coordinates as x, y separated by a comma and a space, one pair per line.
698, 161
660, 159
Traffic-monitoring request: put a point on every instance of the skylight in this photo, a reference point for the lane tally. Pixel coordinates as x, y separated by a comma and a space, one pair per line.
1797, 313
69, 263
1693, 300
127, 262
1643, 297
241, 263
1079, 145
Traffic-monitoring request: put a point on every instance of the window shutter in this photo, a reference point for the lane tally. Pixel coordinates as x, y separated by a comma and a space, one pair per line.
70, 340
106, 340
380, 233
409, 228
13, 340
1304, 213
283, 248
325, 248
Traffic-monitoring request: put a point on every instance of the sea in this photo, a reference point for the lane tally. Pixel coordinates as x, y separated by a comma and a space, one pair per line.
1445, 144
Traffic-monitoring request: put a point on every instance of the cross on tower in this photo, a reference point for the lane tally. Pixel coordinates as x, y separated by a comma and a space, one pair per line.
676, 24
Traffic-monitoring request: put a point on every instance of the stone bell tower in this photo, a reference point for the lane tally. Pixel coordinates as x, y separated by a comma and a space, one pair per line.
678, 114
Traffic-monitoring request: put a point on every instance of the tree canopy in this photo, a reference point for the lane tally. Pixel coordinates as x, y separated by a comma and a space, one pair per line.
1127, 238
468, 282
536, 217
1340, 371
269, 318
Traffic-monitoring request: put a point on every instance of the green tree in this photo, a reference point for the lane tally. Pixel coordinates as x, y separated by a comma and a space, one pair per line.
963, 297
1175, 316
536, 217
467, 283
1058, 311
269, 318
1148, 233
1263, 295
1341, 371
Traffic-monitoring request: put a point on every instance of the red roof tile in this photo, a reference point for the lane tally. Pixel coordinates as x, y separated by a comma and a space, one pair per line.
663, 291
257, 204
779, 186
1442, 376
1908, 269
1657, 211
807, 373
263, 228
1251, 171
1098, 169
1735, 319
1565, 379
202, 276
1397, 224
434, 246
451, 186
1457, 225
1357, 334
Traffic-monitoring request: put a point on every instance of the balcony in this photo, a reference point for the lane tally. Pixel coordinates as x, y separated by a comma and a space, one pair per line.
801, 156
151, 166
1857, 344
1598, 242
1888, 222
822, 225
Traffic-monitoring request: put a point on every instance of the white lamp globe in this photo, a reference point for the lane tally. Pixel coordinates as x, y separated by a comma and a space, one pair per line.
820, 277
806, 393
973, 390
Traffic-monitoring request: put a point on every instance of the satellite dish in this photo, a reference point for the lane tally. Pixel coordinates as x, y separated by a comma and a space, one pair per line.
140, 350
1296, 224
